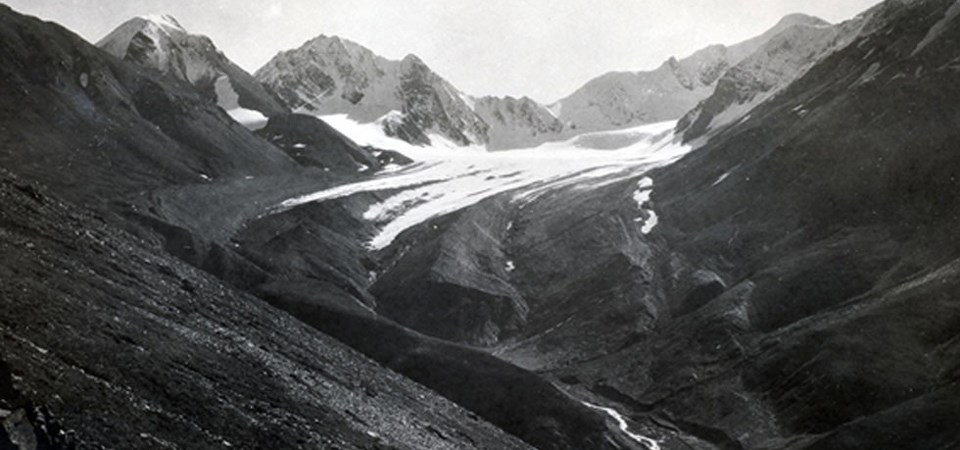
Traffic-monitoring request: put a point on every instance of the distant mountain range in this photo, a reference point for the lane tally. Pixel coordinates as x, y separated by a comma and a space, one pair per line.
330, 75
409, 101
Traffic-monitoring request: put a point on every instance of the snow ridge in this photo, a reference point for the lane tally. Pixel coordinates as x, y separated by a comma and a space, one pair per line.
164, 20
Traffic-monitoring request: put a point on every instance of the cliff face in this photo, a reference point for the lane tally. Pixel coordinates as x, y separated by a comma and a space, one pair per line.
111, 342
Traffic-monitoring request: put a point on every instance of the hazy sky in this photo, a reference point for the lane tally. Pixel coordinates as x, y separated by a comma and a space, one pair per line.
541, 48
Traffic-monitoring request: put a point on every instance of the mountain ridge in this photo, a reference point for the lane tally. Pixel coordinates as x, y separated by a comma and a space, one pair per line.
161, 43
773, 66
159, 162
348, 78
331, 75
622, 99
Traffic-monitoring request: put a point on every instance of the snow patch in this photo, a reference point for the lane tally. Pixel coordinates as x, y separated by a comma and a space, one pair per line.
510, 267
645, 183
390, 168
643, 192
370, 134
642, 197
650, 223
721, 178
556, 109
229, 101
252, 120
164, 20
469, 100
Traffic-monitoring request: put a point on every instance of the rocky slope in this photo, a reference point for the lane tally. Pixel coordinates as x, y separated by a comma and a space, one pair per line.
161, 43
313, 143
777, 63
111, 343
788, 285
130, 141
796, 291
222, 220
517, 122
314, 265
330, 75
624, 99
804, 262
96, 129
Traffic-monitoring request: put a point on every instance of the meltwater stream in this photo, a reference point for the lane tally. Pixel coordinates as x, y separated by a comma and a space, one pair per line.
649, 443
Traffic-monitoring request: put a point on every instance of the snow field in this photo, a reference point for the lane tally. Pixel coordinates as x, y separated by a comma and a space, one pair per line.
446, 178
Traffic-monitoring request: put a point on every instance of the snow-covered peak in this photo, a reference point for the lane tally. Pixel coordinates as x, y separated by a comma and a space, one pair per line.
164, 20
159, 42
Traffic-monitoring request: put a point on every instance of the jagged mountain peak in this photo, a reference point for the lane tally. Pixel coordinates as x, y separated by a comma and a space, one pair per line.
336, 46
161, 43
410, 58
156, 27
412, 64
508, 98
331, 75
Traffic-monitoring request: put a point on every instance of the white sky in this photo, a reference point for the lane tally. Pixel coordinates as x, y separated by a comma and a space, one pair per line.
544, 49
